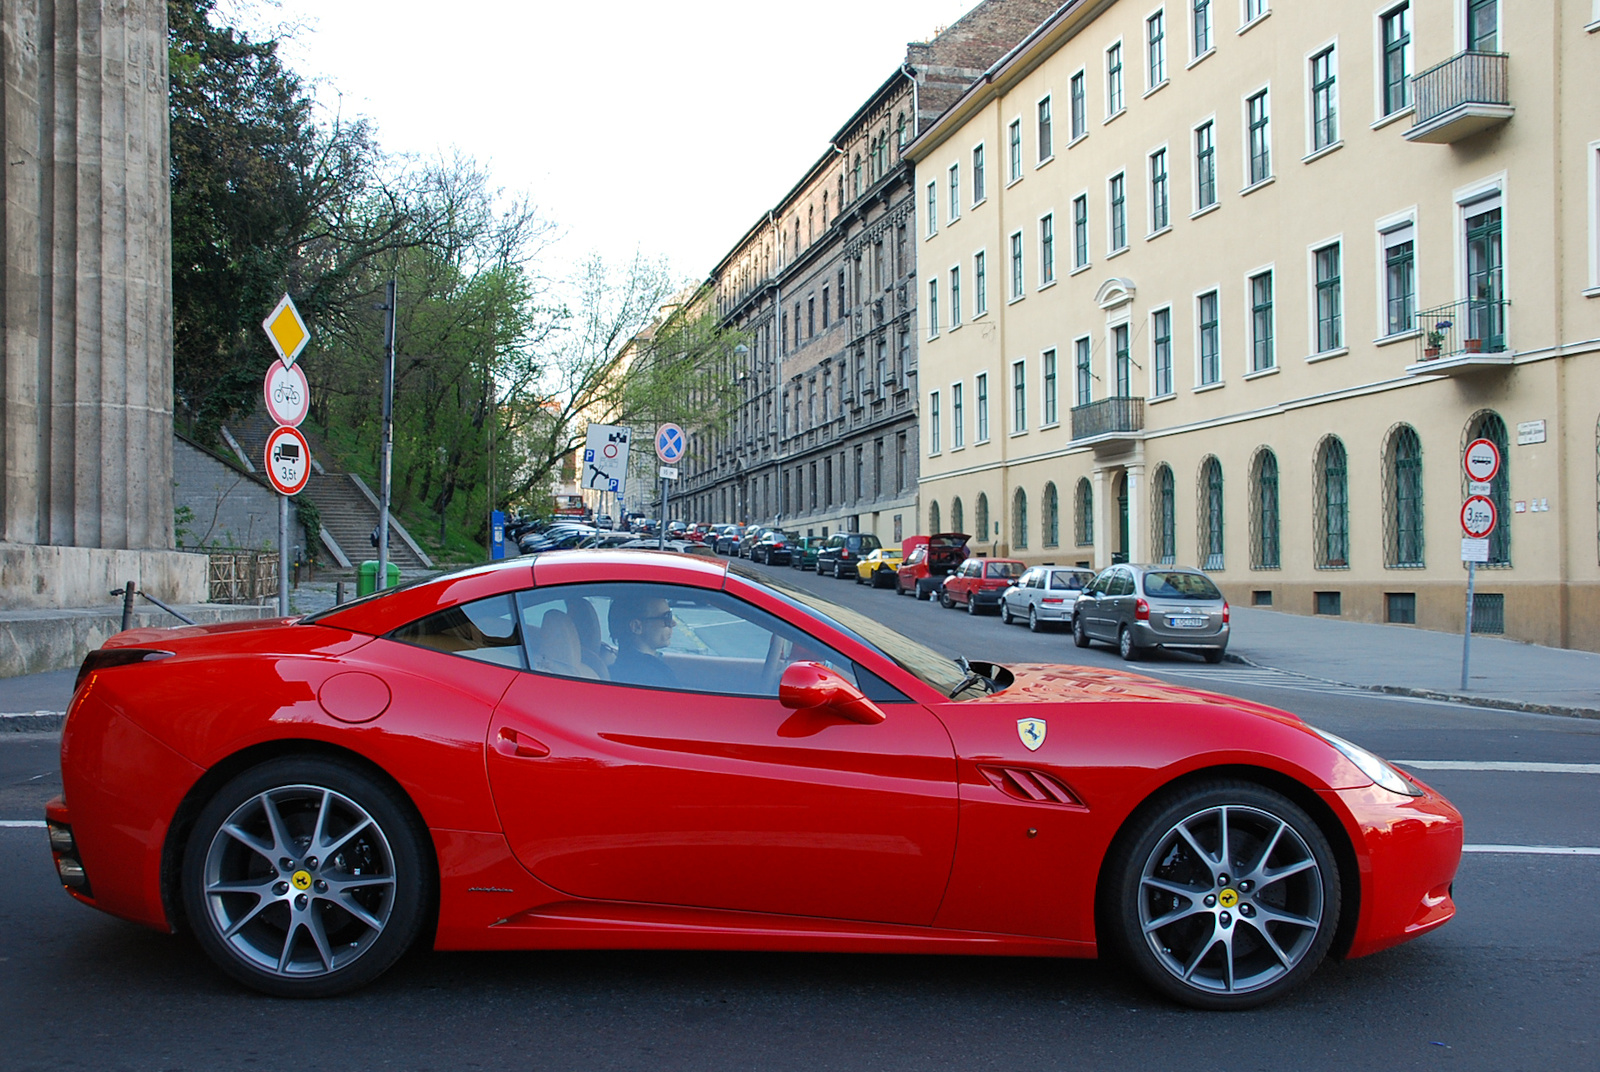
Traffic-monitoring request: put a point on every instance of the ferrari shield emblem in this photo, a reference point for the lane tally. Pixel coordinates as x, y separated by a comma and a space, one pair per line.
1031, 730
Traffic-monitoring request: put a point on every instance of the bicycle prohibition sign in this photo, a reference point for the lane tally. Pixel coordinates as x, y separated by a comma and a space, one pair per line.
287, 394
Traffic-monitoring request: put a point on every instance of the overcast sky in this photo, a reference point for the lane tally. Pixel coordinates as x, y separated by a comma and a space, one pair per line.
666, 127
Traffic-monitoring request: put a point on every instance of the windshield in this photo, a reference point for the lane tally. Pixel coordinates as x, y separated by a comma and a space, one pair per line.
1005, 569
926, 665
1176, 585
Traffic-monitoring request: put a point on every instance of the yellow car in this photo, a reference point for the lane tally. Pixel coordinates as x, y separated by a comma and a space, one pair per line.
879, 568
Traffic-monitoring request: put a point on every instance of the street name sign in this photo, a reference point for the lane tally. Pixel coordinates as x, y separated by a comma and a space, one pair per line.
288, 460
605, 458
287, 393
286, 331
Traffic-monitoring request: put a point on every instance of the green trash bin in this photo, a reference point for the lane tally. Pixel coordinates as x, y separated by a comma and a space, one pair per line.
367, 577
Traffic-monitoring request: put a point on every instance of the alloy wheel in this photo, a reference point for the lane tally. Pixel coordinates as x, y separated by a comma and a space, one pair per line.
1033, 619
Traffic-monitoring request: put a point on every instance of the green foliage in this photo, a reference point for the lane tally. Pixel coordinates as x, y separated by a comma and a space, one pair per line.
182, 518
310, 518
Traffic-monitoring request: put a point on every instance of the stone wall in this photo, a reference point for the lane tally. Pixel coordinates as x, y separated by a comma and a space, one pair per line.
228, 507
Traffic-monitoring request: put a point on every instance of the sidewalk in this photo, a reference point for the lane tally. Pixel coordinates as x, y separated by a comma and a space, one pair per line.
1419, 662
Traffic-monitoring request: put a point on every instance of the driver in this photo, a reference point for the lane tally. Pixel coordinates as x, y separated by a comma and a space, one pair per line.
641, 626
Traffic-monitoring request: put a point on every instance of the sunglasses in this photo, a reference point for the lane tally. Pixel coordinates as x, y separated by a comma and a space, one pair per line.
665, 619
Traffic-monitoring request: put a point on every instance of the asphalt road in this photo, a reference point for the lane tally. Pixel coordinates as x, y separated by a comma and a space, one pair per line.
1512, 983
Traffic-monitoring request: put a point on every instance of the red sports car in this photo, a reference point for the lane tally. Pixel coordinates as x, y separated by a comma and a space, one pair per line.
626, 749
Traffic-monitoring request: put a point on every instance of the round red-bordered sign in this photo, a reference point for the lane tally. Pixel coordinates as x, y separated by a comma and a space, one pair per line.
1481, 460
1478, 516
287, 394
288, 460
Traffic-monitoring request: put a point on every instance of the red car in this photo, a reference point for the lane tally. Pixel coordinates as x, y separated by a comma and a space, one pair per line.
980, 583
928, 560
624, 749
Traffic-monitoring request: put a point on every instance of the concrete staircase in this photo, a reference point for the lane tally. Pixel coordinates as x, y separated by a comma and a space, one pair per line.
348, 506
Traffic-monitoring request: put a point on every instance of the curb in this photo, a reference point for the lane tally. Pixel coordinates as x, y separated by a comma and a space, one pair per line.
32, 722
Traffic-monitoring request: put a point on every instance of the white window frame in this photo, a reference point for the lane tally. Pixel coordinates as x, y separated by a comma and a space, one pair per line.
933, 210
1075, 136
1247, 20
1594, 206
1041, 158
1194, 168
933, 308
1311, 55
1312, 249
1049, 374
1194, 303
1151, 82
1122, 79
1379, 116
1470, 200
1385, 232
1460, 7
1014, 168
1122, 318
1019, 413
1271, 269
958, 415
1211, 34
1150, 333
953, 176
1016, 267
1047, 258
933, 423
980, 404
980, 283
1111, 248
955, 296
980, 190
1244, 115
1149, 157
1077, 395
1088, 243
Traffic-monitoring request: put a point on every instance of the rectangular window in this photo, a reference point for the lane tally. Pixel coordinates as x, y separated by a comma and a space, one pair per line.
1330, 301
825, 307
1114, 79
1399, 280
1122, 363
933, 439
1119, 212
1200, 23
955, 192
983, 406
933, 307
1155, 47
1047, 145
955, 297
1483, 25
980, 279
1016, 265
811, 317
1080, 230
1205, 165
841, 292
978, 192
797, 325
1396, 72
1324, 101
1261, 352
1401, 607
1014, 138
933, 210
1210, 340
1047, 249
1328, 603
1160, 216
1085, 375
958, 417
1161, 347
1254, 9
1260, 138
1019, 396
1080, 107
1050, 414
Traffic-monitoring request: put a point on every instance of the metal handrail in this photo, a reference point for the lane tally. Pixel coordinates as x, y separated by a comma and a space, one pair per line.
1108, 416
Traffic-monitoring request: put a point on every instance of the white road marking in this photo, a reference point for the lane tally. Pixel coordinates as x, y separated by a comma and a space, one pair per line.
21, 824
1535, 850
1497, 765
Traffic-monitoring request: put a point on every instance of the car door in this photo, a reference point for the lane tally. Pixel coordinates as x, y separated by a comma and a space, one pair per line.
708, 792
1119, 609
1098, 608
1019, 597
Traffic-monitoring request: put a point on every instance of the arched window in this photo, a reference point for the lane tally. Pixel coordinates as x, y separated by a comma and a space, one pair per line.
1083, 520
1331, 505
980, 518
958, 518
1019, 520
900, 128
1211, 543
1264, 547
1402, 514
933, 517
1050, 519
1487, 424
1165, 516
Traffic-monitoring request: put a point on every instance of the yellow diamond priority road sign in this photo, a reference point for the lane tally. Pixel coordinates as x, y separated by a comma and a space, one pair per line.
286, 330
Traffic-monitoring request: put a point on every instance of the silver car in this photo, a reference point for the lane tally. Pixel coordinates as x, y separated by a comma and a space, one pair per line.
1139, 608
1044, 595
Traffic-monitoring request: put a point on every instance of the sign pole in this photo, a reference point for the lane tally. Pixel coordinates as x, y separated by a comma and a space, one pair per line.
661, 537
1466, 640
387, 462
283, 556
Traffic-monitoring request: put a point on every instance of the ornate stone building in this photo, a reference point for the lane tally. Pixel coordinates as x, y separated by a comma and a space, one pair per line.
825, 286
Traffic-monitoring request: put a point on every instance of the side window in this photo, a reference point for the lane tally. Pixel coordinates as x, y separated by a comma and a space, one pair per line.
665, 636
1123, 584
485, 630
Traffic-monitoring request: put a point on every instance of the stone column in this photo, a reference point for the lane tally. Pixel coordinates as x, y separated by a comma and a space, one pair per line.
1102, 518
1136, 521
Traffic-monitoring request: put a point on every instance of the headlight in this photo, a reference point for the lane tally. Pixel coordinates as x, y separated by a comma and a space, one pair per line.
1380, 772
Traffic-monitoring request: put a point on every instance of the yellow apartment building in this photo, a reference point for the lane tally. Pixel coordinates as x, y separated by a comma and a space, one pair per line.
1232, 283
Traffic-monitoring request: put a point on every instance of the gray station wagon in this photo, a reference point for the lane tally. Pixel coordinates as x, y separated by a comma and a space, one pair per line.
1139, 607
1044, 596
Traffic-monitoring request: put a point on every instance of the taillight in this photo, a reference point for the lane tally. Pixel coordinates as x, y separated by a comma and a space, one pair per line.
844, 553
1052, 599
1141, 611
103, 658
1224, 612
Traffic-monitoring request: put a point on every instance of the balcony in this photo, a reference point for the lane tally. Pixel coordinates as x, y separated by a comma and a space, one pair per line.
1109, 424
1463, 337
1465, 95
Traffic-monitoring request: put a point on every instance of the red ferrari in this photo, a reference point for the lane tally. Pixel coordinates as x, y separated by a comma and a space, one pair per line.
635, 750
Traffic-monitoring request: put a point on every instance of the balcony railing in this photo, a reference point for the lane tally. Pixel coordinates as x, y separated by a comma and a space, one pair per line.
1109, 416
1463, 329
1465, 94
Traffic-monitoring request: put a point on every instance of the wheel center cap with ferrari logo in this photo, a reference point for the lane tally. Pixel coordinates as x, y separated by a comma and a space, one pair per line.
301, 879
1228, 897
1032, 731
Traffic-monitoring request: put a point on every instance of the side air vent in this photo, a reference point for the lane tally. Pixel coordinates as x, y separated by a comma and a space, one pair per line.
1029, 785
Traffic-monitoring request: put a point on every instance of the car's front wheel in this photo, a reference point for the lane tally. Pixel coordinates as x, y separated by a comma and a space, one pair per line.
1005, 613
945, 601
305, 877
1223, 895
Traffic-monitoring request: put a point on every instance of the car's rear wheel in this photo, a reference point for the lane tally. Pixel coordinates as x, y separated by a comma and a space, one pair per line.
1080, 635
1034, 625
1214, 655
1226, 896
305, 877
1126, 647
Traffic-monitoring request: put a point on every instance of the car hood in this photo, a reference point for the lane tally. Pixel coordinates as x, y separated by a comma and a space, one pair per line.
1048, 683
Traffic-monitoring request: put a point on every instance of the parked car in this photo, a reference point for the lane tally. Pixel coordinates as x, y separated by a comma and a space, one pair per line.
558, 536
603, 521
843, 550
472, 762
928, 561
1141, 607
879, 568
804, 553
775, 548
749, 538
727, 541
979, 583
1044, 596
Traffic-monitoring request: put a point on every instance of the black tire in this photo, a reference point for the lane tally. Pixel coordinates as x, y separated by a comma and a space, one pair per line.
1005, 612
1126, 647
945, 600
858, 577
1214, 655
1034, 624
308, 794
1184, 959
1080, 635
972, 604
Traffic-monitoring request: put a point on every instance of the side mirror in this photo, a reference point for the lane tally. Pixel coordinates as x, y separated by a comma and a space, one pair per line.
812, 686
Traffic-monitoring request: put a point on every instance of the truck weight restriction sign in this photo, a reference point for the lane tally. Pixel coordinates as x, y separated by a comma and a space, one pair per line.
288, 460
1481, 460
1478, 516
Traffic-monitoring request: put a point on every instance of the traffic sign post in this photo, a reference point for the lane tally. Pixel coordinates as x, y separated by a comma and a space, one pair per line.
288, 398
605, 461
670, 442
1481, 460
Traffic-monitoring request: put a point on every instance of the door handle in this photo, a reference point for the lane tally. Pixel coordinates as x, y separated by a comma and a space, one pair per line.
514, 745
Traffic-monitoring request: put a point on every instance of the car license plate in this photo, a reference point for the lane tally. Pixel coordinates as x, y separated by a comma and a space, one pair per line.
1186, 623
